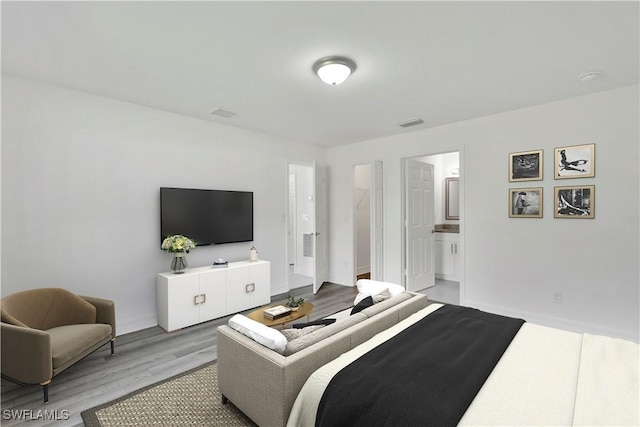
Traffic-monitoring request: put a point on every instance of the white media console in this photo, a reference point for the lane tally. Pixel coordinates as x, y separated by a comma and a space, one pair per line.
205, 293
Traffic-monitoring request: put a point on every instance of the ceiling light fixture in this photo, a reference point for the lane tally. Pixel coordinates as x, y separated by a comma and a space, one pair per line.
334, 70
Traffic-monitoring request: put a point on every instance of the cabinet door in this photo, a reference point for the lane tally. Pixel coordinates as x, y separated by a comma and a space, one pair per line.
456, 260
444, 257
261, 278
182, 310
448, 265
213, 292
238, 299
439, 254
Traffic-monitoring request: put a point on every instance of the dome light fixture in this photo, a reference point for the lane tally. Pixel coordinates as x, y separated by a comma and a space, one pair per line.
334, 70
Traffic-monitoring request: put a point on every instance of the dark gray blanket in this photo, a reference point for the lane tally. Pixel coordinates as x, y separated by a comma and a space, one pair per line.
427, 375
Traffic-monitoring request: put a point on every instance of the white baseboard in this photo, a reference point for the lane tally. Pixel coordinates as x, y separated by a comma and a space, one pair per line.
278, 290
449, 277
133, 325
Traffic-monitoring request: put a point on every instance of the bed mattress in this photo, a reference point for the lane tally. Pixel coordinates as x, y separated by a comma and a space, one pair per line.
546, 376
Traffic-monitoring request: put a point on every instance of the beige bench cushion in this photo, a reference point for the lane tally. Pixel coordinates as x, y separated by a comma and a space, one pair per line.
386, 304
307, 340
343, 323
72, 342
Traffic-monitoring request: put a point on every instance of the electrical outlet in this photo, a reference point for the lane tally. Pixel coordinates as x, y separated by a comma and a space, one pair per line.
557, 297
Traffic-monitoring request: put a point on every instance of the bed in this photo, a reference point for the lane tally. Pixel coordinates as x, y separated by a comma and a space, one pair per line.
540, 376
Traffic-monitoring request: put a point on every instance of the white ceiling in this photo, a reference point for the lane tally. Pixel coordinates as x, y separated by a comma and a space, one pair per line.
440, 61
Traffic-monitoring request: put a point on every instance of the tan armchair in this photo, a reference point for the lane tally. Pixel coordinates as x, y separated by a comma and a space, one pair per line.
45, 331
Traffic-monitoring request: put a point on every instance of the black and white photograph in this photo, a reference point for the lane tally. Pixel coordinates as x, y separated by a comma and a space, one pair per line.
525, 166
575, 202
525, 202
577, 161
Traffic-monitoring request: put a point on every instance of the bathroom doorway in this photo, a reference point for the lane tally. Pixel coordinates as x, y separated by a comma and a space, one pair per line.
300, 267
432, 238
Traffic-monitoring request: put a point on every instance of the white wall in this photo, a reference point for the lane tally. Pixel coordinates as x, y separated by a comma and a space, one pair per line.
514, 266
80, 192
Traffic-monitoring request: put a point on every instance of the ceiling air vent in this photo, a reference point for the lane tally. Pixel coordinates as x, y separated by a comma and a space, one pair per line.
410, 122
221, 112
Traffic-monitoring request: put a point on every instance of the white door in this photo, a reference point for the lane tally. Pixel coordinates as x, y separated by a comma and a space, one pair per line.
291, 216
321, 270
304, 220
377, 226
419, 212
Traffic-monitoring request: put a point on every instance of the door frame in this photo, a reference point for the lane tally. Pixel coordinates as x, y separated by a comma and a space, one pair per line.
461, 221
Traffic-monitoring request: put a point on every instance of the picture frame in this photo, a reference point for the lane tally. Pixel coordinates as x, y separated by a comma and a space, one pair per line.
575, 161
525, 166
525, 202
452, 198
576, 201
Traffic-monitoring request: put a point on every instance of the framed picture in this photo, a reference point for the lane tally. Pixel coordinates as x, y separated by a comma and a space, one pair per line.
575, 202
576, 161
525, 202
525, 166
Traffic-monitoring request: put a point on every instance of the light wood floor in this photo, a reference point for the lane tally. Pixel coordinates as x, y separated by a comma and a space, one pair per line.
142, 358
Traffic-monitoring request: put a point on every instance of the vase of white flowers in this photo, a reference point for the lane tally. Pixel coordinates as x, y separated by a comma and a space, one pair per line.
179, 246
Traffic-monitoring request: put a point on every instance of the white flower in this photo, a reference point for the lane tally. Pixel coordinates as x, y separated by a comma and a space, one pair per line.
177, 243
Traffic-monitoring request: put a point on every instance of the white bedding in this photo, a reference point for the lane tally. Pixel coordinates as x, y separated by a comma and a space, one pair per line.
546, 377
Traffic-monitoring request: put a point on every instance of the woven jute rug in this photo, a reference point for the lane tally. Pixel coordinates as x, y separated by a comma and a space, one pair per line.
188, 399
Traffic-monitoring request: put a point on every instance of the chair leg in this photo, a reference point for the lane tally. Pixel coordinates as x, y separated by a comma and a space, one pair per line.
45, 389
112, 351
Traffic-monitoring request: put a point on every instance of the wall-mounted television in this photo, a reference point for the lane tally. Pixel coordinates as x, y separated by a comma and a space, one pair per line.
208, 217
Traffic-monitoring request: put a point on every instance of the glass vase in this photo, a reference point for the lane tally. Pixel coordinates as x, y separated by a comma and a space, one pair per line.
179, 262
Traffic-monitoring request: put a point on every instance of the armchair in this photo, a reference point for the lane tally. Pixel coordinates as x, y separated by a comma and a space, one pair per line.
45, 331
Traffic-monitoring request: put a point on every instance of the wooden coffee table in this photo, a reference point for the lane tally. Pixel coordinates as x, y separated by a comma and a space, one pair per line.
258, 315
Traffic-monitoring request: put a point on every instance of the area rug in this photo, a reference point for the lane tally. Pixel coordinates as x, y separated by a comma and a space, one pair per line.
188, 399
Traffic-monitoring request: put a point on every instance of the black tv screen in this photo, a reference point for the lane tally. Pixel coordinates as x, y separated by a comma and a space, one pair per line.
207, 217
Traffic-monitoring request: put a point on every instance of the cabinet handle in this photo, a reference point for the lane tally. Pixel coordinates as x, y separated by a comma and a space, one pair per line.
204, 298
456, 247
196, 300
451, 248
250, 287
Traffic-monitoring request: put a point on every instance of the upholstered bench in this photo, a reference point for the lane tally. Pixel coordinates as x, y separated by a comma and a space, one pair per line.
264, 382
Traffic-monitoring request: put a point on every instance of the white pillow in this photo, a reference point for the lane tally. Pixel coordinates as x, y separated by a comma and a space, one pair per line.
368, 287
268, 337
381, 296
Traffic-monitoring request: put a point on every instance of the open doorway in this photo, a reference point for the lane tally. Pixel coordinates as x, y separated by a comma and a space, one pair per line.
362, 220
368, 221
300, 225
432, 237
